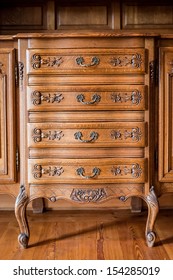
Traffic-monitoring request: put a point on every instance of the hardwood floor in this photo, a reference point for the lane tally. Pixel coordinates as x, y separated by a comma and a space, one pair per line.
87, 235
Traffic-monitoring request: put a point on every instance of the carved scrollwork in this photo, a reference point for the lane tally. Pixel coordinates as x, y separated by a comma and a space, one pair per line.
81, 61
38, 135
134, 60
134, 97
39, 171
135, 134
37, 98
88, 195
134, 170
37, 61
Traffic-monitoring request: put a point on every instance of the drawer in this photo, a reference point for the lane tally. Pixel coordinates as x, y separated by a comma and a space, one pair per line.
60, 98
86, 61
112, 134
41, 171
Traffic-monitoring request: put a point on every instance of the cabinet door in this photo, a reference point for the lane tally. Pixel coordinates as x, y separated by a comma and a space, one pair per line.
7, 117
166, 115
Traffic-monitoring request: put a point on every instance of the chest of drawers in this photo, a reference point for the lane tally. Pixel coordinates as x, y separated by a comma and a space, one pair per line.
86, 129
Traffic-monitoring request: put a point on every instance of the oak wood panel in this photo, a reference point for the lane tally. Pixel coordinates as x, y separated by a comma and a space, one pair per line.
147, 15
165, 115
84, 153
107, 97
106, 116
7, 117
18, 16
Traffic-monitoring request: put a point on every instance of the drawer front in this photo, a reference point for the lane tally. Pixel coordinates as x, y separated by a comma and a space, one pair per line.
113, 134
86, 61
86, 171
119, 97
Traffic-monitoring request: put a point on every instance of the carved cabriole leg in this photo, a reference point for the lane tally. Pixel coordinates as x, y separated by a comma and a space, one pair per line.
20, 212
153, 208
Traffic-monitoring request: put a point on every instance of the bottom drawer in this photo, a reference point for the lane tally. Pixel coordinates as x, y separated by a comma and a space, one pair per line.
87, 171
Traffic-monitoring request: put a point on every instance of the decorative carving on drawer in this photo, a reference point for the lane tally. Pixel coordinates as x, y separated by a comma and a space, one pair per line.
37, 97
81, 61
88, 195
95, 99
81, 171
134, 97
39, 171
38, 135
37, 61
134, 60
93, 136
135, 134
135, 170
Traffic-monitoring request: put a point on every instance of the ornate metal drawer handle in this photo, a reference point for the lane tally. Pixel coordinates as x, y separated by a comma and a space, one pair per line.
81, 61
80, 171
93, 135
95, 99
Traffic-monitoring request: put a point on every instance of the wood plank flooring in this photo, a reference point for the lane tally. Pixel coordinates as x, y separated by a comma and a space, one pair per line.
87, 235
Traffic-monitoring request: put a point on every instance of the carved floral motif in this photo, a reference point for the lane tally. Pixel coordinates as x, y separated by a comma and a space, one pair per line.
133, 60
135, 134
134, 97
37, 61
134, 170
39, 171
88, 195
38, 135
37, 97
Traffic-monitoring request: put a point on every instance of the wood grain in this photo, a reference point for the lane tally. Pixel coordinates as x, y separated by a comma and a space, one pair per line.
107, 235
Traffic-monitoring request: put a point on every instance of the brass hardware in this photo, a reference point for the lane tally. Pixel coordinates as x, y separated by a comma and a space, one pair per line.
80, 171
80, 61
93, 135
95, 99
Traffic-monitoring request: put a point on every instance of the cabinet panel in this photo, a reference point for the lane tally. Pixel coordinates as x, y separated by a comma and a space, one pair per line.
147, 15
85, 14
7, 116
166, 115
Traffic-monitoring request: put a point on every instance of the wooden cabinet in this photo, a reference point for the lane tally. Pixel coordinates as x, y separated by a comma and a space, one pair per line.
8, 146
85, 121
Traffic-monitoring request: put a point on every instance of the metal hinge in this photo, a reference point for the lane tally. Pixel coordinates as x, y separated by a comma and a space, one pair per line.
154, 72
16, 74
19, 67
17, 158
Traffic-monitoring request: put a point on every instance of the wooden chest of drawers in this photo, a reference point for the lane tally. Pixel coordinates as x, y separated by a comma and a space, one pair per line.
85, 109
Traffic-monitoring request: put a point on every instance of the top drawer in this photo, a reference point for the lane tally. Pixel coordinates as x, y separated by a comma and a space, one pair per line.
86, 61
